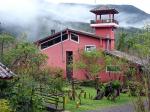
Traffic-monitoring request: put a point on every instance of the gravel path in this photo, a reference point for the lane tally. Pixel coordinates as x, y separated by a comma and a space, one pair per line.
122, 108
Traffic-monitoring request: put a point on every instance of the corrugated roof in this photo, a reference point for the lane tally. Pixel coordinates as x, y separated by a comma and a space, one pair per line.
131, 58
5, 72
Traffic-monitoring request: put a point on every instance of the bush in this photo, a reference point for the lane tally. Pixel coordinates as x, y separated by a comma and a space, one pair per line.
88, 83
116, 84
23, 97
4, 106
135, 88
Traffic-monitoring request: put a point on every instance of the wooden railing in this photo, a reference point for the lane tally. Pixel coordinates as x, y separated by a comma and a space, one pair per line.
52, 102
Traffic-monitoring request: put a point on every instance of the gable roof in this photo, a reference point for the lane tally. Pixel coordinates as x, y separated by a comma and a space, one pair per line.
68, 30
5, 73
123, 55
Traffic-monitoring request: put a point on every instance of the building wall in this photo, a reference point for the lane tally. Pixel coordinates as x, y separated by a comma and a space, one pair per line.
57, 53
105, 32
57, 56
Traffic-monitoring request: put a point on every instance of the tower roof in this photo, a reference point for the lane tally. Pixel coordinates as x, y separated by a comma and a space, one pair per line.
104, 10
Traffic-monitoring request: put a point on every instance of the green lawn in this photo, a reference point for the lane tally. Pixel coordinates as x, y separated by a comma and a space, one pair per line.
89, 104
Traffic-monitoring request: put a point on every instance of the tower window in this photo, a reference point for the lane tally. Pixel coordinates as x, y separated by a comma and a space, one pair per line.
74, 37
90, 48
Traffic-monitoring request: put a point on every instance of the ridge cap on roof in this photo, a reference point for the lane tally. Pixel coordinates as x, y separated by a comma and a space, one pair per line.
82, 31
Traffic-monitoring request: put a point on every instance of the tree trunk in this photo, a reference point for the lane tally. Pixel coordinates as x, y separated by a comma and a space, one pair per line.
73, 89
148, 84
2, 50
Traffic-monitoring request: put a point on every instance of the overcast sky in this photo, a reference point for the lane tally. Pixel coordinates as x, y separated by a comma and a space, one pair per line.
142, 4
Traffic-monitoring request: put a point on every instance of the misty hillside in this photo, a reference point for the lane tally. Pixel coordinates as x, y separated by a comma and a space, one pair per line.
37, 23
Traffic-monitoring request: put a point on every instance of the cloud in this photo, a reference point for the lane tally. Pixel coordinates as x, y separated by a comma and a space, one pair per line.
38, 17
18, 10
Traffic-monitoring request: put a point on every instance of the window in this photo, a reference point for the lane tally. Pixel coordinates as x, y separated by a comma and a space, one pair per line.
90, 48
54, 41
74, 37
112, 68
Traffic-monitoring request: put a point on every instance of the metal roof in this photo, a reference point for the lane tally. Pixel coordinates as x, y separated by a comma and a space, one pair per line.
131, 58
69, 30
5, 73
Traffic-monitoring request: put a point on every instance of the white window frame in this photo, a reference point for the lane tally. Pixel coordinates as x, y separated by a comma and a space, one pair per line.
74, 40
89, 46
112, 71
54, 44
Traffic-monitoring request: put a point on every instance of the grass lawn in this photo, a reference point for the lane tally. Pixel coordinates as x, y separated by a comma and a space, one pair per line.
89, 104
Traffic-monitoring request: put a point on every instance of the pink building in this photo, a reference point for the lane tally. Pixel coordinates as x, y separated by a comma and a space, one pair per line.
62, 47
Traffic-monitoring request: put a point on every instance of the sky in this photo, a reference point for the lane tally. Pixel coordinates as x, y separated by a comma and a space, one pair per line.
142, 4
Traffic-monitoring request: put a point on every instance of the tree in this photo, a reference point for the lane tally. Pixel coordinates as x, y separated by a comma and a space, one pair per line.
92, 63
122, 41
141, 48
5, 40
27, 62
24, 55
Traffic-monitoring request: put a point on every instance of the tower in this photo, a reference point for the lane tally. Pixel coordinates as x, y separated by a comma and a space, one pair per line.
105, 25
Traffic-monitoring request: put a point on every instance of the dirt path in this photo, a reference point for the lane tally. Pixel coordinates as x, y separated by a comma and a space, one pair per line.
122, 108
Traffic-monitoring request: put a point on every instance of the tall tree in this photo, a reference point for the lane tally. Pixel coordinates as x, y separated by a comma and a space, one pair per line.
122, 41
91, 63
5, 40
142, 49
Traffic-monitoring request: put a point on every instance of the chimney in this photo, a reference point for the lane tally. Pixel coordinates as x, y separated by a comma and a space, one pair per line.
52, 31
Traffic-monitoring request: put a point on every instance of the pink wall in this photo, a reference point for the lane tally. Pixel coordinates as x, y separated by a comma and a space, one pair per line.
106, 76
57, 53
103, 32
57, 56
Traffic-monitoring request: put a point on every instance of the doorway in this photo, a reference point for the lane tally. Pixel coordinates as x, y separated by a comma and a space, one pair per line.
69, 67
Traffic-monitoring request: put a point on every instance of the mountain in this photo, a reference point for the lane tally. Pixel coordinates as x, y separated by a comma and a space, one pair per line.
67, 15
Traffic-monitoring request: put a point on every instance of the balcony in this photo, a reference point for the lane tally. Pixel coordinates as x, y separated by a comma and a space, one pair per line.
104, 21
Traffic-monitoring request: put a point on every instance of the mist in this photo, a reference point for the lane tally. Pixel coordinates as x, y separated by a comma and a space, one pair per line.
37, 17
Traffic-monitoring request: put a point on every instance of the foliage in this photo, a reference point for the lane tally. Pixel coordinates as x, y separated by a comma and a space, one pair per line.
6, 41
5, 87
23, 96
24, 55
57, 81
122, 41
88, 83
116, 84
135, 88
90, 62
27, 62
4, 106
116, 64
141, 48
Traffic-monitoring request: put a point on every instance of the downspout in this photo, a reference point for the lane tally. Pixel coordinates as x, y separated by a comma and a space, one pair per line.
107, 42
62, 49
